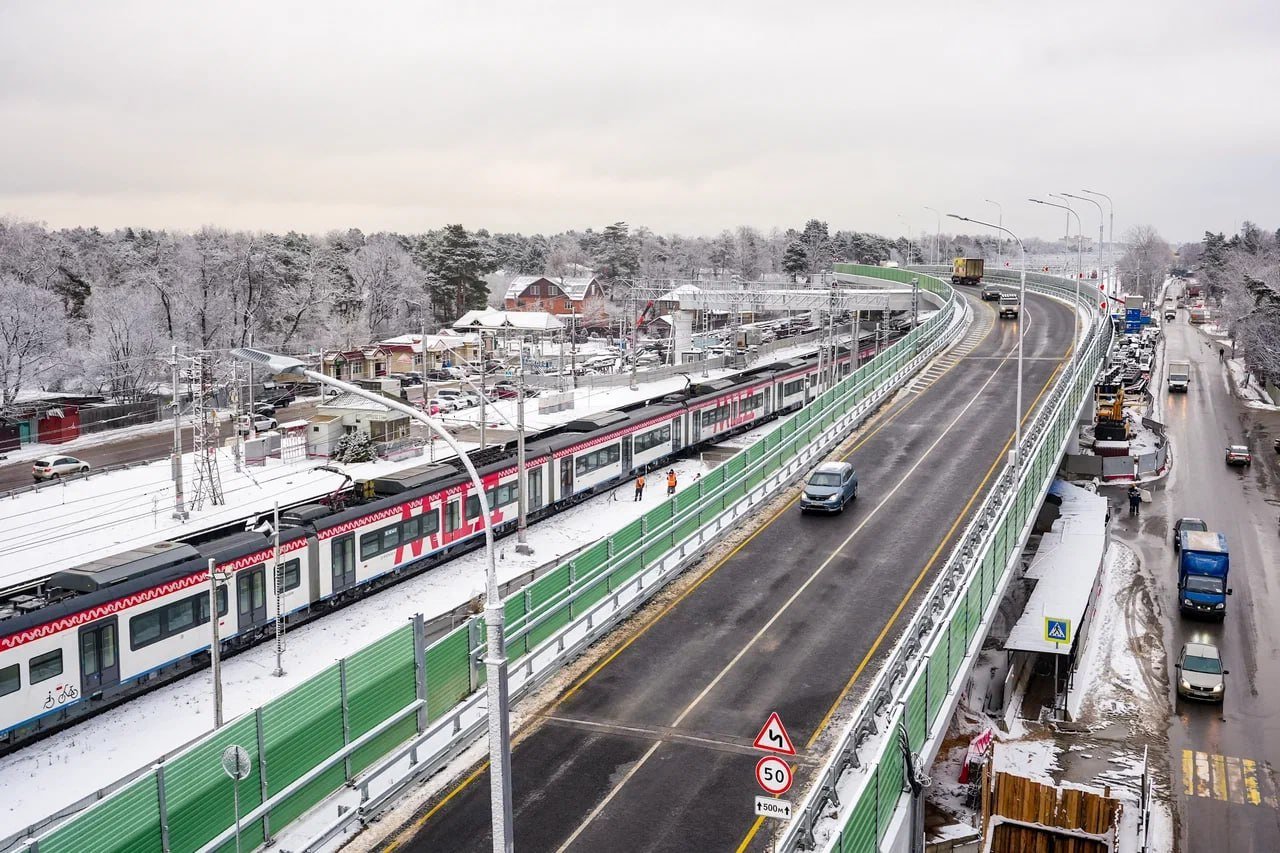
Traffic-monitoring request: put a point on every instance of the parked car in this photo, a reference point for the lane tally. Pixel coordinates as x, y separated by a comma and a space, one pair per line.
53, 467
504, 391
256, 423
439, 376
1186, 524
1200, 673
445, 404
1238, 454
267, 410
990, 293
830, 488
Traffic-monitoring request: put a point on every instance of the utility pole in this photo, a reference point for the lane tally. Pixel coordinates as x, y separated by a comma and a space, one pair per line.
279, 575
215, 647
237, 448
522, 474
573, 343
179, 510
635, 337
483, 400
857, 338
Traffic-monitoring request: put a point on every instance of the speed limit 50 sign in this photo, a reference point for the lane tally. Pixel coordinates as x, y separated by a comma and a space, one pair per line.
774, 775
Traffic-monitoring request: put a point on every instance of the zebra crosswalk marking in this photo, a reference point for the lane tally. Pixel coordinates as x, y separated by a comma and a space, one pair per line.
1227, 778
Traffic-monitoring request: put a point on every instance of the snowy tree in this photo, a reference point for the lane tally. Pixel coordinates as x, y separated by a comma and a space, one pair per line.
1146, 262
354, 447
795, 262
384, 275
125, 355
32, 336
616, 255
817, 247
456, 264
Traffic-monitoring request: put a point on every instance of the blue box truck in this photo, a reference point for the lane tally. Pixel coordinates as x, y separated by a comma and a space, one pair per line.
1203, 565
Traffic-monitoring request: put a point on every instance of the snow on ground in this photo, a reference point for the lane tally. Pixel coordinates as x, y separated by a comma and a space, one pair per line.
35, 450
67, 523
72, 764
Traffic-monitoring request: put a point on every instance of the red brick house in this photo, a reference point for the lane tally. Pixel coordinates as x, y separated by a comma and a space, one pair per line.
561, 296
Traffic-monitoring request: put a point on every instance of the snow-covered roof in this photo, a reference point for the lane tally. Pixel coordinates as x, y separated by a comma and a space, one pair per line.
354, 402
686, 289
435, 343
529, 321
1065, 569
574, 288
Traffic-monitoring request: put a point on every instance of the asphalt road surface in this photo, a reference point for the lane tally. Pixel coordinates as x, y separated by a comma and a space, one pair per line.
651, 749
135, 448
1222, 759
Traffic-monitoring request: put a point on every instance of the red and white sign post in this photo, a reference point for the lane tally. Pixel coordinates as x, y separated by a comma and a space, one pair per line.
773, 737
774, 775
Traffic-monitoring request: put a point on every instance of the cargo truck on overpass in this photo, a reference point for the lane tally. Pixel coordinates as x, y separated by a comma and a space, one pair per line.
1179, 376
1203, 565
966, 271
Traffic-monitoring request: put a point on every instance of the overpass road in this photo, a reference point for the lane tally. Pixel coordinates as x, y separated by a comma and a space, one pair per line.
650, 750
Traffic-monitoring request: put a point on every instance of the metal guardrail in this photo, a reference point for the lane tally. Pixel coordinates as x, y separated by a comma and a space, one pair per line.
910, 662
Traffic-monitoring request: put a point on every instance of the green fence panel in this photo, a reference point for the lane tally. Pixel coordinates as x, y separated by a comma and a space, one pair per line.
917, 714
593, 591
547, 599
626, 570
973, 606
734, 467
686, 528
956, 636
888, 784
626, 537
448, 672
199, 795
937, 675
656, 517
591, 558
126, 822
860, 832
515, 609
381, 681
658, 538
301, 729
687, 498
711, 480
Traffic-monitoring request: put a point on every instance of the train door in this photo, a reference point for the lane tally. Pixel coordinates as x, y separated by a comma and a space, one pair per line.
675, 435
626, 454
533, 485
695, 425
779, 393
344, 561
251, 598
566, 477
99, 657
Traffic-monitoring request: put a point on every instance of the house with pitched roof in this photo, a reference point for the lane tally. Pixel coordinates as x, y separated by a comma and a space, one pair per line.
553, 295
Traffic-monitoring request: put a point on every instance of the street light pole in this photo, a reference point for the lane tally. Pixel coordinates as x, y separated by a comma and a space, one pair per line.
937, 235
999, 224
1075, 310
1022, 299
1099, 206
495, 659
1111, 229
215, 646
1067, 225
522, 493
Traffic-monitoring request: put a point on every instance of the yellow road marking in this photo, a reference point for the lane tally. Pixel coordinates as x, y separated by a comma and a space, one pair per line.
437, 807
1252, 793
1219, 777
1188, 772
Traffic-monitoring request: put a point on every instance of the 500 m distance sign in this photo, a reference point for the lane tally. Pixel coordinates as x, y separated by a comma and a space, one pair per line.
774, 775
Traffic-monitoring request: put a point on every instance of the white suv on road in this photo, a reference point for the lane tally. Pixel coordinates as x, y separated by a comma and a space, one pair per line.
53, 467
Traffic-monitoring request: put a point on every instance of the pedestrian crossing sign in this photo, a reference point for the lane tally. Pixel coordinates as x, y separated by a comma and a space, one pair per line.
1057, 630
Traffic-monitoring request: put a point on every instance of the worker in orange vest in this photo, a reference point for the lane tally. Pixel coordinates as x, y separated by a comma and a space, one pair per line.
671, 482
639, 487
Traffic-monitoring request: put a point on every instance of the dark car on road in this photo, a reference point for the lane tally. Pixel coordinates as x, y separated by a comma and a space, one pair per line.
1186, 524
1238, 454
990, 293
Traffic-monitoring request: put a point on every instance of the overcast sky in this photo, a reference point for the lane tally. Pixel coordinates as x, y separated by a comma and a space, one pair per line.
680, 116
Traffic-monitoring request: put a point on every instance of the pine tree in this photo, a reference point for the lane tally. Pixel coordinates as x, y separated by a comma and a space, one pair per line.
795, 261
455, 263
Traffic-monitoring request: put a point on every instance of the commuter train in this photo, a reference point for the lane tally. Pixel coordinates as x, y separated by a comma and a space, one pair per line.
101, 632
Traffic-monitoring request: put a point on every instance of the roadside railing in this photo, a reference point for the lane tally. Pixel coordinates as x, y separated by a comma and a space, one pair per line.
853, 800
400, 708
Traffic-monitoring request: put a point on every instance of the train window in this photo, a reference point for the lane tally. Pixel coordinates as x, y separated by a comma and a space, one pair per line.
179, 617
45, 666
473, 506
410, 529
390, 537
291, 573
369, 544
430, 522
585, 463
10, 679
648, 440
793, 387
508, 494
145, 629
